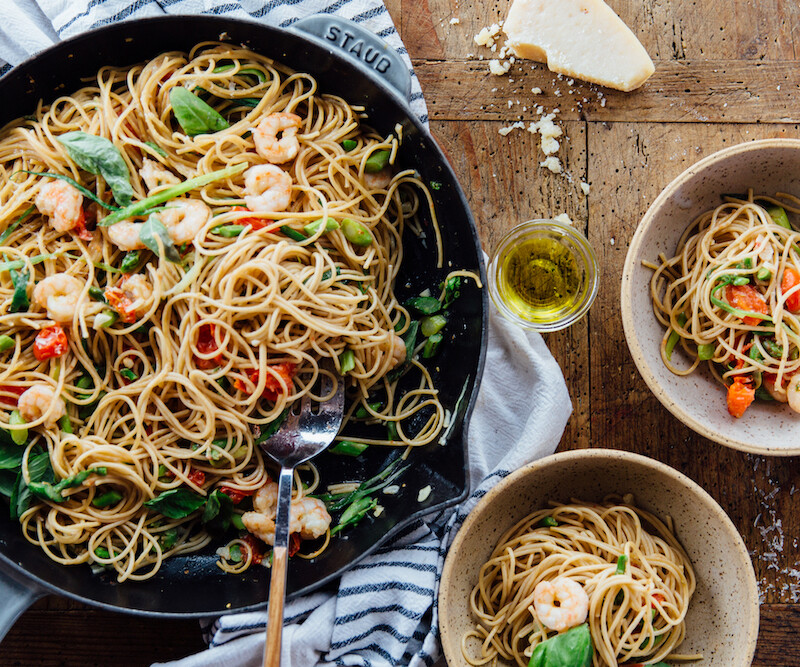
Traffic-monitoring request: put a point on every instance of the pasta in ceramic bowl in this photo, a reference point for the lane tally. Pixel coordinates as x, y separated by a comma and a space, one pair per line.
710, 297
598, 558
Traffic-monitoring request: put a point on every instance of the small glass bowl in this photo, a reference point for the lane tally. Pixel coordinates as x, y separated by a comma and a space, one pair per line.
548, 318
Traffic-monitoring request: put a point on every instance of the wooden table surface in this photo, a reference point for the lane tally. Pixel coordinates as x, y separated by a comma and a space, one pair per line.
726, 72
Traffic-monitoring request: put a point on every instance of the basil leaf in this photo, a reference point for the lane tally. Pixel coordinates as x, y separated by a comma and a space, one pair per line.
11, 454
572, 648
194, 115
217, 512
156, 148
410, 339
40, 470
269, 429
176, 503
153, 229
19, 301
98, 155
8, 478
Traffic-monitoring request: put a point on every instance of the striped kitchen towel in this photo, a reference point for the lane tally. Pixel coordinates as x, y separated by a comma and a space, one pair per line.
28, 26
383, 611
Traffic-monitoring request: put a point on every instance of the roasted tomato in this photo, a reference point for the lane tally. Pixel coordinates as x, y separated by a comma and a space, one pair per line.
50, 342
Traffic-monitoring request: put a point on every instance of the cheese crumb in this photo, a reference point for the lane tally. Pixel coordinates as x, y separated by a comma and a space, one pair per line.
505, 131
536, 91
553, 164
585, 187
549, 132
563, 217
497, 68
455, 21
378, 511
424, 494
391, 490
487, 35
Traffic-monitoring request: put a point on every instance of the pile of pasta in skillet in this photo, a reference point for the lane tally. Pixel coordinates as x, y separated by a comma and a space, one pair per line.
187, 245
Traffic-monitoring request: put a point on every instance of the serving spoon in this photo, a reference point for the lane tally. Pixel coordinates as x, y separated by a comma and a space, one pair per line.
302, 436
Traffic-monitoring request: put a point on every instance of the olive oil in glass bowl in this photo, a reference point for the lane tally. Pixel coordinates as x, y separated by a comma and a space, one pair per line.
543, 275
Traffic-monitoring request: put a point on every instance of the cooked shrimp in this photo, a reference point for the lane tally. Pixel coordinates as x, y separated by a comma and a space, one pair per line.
154, 175
39, 400
60, 294
138, 289
307, 516
266, 139
793, 393
313, 517
62, 203
267, 188
378, 180
184, 218
399, 352
266, 499
125, 235
777, 392
560, 604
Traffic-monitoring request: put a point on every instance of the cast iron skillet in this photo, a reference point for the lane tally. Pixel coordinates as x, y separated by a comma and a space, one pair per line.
329, 48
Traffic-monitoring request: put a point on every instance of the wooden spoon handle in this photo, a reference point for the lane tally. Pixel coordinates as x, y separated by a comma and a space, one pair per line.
277, 591
277, 582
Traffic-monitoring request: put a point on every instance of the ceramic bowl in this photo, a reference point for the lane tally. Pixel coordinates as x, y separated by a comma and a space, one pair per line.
768, 166
722, 621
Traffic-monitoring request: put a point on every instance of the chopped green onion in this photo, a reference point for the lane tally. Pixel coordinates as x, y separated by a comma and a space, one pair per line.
361, 412
65, 424
705, 351
10, 229
97, 294
674, 336
377, 162
356, 233
432, 346
427, 305
107, 499
236, 520
130, 261
548, 522
349, 144
228, 231
18, 435
748, 262
410, 339
293, 233
622, 561
773, 349
313, 227
348, 448
129, 375
347, 361
432, 325
779, 217
102, 552
6, 343
105, 319
763, 274
391, 431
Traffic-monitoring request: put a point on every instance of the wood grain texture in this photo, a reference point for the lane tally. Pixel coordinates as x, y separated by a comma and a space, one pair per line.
726, 72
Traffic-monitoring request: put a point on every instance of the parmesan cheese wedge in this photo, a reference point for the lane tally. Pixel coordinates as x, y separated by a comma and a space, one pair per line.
584, 39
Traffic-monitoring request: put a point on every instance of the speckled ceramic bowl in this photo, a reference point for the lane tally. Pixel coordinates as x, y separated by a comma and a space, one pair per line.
722, 622
768, 166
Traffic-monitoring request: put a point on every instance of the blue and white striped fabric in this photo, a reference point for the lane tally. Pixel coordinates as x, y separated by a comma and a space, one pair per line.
383, 611
28, 26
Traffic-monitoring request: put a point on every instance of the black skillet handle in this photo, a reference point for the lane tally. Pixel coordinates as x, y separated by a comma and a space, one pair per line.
365, 49
17, 594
